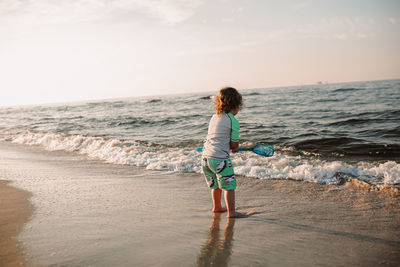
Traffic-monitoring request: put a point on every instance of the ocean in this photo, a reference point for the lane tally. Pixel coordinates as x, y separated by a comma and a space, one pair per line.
323, 133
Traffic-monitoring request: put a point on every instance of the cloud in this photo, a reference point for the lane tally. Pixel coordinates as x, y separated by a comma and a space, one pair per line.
171, 11
227, 20
238, 9
361, 35
392, 20
299, 5
212, 50
329, 28
341, 29
49, 11
340, 36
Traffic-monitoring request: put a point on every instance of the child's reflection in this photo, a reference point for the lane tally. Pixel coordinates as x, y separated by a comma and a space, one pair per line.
216, 252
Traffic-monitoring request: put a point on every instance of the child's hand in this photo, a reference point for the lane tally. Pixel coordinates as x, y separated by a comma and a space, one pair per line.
234, 146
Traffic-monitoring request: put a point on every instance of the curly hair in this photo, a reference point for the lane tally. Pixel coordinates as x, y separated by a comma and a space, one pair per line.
228, 99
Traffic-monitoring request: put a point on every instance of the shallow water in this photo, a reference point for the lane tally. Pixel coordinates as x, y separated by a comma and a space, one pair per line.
326, 133
88, 213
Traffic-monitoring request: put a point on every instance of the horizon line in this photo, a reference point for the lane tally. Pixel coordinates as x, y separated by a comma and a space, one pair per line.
112, 99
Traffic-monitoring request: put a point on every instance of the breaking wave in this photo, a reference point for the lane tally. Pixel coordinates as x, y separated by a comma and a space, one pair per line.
282, 165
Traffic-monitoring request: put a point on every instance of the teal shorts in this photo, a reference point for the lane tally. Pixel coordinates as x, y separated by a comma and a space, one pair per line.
219, 174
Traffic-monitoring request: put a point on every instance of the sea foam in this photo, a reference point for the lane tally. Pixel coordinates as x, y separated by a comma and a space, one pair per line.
282, 165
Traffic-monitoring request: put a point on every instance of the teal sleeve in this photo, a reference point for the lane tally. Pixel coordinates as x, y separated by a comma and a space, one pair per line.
235, 128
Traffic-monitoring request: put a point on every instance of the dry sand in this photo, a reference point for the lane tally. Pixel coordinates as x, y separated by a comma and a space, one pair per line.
15, 210
92, 213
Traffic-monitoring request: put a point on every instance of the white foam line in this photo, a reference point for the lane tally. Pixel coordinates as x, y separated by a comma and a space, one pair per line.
281, 166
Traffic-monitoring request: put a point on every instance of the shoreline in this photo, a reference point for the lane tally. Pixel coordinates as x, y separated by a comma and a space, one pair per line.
89, 212
15, 211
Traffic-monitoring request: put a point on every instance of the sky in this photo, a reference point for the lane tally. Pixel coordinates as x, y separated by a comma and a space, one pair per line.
74, 50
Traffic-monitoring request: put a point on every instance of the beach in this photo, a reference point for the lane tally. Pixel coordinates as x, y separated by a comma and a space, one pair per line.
15, 210
116, 116
87, 212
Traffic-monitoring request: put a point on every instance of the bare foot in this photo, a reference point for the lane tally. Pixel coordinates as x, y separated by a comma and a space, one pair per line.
219, 210
237, 215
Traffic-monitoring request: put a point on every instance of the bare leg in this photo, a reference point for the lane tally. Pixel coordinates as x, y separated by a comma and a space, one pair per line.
230, 203
216, 197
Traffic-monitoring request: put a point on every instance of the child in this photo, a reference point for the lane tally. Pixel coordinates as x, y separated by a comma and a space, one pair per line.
223, 137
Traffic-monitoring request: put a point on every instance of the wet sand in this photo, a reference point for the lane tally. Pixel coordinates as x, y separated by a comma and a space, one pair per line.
15, 210
93, 213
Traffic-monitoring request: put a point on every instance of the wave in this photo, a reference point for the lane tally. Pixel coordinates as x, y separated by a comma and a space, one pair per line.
382, 117
320, 143
251, 94
133, 121
326, 100
390, 113
150, 101
185, 159
350, 147
113, 103
352, 122
206, 97
339, 90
